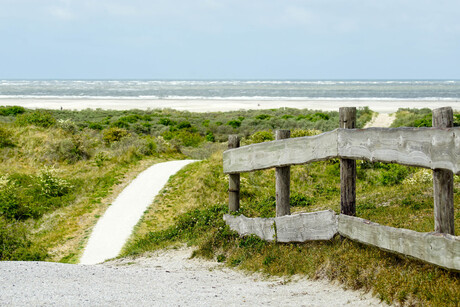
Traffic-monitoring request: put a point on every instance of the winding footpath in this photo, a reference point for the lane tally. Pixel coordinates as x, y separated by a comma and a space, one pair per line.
165, 278
116, 225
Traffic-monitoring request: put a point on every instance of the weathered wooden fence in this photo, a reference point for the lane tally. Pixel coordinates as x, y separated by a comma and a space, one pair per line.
436, 148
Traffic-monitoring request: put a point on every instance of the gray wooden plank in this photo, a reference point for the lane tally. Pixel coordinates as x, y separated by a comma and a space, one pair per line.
435, 248
424, 147
281, 153
264, 228
321, 225
433, 148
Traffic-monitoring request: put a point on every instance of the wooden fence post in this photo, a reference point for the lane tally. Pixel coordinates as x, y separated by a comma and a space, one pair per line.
233, 179
443, 181
347, 117
283, 181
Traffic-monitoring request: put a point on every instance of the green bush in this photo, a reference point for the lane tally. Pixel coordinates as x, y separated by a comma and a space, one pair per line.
38, 118
234, 123
261, 136
11, 111
166, 122
263, 116
114, 134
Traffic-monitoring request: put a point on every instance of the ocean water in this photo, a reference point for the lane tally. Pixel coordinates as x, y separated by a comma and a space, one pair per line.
448, 90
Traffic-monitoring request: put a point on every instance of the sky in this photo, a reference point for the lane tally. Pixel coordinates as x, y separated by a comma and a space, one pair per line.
229, 39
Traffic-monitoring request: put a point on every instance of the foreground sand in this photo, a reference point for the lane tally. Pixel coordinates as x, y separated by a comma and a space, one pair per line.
202, 105
165, 278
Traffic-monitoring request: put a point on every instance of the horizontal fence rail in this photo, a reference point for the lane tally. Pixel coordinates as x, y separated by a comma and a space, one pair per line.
433, 148
436, 248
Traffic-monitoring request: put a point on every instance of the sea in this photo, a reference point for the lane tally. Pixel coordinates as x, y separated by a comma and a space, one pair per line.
369, 90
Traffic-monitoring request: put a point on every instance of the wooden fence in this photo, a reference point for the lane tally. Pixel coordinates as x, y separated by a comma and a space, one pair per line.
436, 148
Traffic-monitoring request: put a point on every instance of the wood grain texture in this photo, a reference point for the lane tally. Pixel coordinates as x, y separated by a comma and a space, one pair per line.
436, 248
434, 148
443, 181
264, 228
283, 181
234, 179
301, 227
321, 225
424, 147
281, 153
347, 120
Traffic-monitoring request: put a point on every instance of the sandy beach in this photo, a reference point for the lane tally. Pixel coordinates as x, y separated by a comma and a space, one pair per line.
210, 105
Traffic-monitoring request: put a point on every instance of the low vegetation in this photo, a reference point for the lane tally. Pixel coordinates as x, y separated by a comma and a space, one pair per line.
60, 169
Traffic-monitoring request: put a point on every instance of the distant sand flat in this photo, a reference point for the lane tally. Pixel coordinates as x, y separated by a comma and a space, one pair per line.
210, 105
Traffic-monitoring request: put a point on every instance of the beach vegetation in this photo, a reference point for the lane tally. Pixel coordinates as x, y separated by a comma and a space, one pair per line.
6, 137
11, 110
39, 118
406, 117
114, 134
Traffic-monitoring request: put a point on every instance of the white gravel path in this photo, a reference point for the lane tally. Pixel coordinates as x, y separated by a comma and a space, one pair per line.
115, 226
168, 278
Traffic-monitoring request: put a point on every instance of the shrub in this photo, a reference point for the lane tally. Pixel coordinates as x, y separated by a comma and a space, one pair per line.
261, 136
69, 150
67, 125
114, 134
234, 123
95, 126
11, 111
210, 137
263, 116
184, 125
302, 132
51, 186
38, 118
166, 122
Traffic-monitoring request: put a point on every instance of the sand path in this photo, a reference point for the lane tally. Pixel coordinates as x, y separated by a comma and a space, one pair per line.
383, 120
115, 226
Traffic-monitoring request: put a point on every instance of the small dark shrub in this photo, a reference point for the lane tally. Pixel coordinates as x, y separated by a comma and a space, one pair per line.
166, 122
263, 116
184, 125
234, 123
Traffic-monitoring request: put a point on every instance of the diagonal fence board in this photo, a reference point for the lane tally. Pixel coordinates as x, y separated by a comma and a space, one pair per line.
433, 148
279, 153
435, 248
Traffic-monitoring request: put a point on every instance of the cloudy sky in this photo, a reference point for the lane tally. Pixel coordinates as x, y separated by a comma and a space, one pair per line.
230, 39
